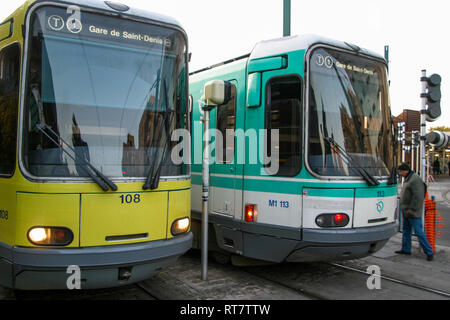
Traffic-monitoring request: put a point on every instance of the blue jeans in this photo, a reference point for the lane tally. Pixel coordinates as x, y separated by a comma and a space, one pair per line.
416, 223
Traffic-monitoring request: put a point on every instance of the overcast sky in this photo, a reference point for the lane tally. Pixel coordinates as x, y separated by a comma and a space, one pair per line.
415, 30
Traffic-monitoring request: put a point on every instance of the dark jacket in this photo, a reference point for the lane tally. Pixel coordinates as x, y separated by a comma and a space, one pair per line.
413, 196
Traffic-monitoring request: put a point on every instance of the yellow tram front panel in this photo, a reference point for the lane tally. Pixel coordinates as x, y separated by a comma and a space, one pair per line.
101, 219
51, 210
120, 218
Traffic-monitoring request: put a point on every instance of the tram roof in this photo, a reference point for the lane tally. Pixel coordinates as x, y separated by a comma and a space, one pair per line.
302, 42
101, 5
280, 46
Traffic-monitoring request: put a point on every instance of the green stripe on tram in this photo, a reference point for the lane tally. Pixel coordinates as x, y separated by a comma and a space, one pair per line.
316, 189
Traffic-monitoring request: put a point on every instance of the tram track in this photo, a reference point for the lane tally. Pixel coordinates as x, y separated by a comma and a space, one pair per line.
333, 281
391, 279
304, 292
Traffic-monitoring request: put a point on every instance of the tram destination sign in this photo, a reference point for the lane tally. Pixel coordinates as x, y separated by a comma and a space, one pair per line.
96, 27
329, 61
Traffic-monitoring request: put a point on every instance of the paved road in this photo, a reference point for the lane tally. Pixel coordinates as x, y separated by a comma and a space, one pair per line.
287, 281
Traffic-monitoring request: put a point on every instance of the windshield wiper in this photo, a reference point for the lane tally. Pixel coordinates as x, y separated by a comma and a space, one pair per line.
154, 173
95, 174
371, 181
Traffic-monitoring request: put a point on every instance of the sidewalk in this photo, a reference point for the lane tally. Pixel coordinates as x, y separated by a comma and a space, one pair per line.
413, 268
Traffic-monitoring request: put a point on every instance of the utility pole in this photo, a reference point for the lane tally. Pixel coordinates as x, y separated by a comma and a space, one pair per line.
286, 18
386, 55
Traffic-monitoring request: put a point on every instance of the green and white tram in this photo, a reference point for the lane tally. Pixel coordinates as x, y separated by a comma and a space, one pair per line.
305, 169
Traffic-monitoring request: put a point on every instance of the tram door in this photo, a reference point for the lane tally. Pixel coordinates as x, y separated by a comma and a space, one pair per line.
223, 171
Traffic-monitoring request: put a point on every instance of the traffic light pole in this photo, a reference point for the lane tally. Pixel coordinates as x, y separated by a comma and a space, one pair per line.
423, 125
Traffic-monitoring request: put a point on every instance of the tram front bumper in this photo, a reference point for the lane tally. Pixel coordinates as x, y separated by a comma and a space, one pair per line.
100, 267
310, 245
345, 244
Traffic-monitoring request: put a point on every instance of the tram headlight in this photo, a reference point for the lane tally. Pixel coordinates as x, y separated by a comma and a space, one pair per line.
37, 235
332, 220
50, 236
180, 226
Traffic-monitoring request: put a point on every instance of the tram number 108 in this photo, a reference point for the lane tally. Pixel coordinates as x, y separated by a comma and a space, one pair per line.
130, 198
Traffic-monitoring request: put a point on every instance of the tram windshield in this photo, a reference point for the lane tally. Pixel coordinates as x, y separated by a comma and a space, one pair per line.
349, 105
113, 91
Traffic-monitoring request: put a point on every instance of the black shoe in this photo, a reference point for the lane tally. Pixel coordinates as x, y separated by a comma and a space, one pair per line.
402, 252
430, 257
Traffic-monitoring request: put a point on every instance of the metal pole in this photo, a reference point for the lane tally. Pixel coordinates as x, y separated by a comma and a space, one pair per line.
399, 140
205, 194
423, 126
403, 142
413, 147
286, 18
386, 55
418, 158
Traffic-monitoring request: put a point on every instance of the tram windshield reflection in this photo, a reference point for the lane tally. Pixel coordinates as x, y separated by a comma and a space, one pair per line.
349, 103
104, 85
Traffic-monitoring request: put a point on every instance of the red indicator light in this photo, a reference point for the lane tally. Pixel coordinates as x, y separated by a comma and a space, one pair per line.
250, 213
332, 220
339, 218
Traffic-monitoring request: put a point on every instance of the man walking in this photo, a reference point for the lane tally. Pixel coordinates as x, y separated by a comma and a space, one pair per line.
412, 201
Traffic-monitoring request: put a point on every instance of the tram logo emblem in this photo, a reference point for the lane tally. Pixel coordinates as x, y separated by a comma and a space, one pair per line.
380, 206
56, 22
74, 25
327, 61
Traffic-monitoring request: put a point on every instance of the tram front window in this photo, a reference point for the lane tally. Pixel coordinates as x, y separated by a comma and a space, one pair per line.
112, 89
349, 105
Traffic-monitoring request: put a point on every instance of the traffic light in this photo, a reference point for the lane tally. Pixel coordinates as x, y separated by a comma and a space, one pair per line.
438, 139
433, 96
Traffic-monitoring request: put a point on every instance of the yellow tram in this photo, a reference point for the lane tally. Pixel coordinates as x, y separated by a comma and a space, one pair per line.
90, 93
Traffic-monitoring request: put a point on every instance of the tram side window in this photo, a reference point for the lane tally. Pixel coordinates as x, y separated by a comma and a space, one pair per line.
9, 98
226, 124
283, 113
